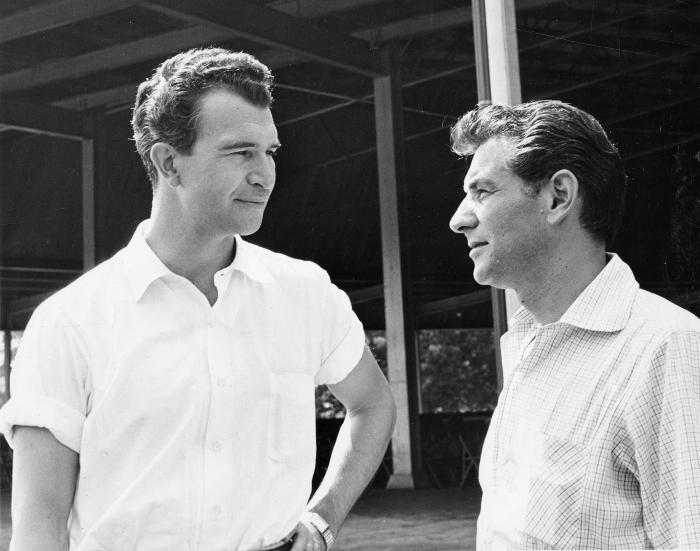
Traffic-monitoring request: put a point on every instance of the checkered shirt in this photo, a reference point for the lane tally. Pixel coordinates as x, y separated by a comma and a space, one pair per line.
595, 442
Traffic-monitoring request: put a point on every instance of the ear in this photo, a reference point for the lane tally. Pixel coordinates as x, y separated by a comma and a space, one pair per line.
562, 196
163, 157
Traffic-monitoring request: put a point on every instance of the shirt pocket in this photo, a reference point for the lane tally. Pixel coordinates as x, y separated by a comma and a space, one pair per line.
554, 496
293, 421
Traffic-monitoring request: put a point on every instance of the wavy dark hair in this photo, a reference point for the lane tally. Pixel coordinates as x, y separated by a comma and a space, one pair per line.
167, 104
548, 136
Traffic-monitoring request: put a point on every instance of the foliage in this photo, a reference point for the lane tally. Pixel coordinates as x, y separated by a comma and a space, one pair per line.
458, 370
457, 367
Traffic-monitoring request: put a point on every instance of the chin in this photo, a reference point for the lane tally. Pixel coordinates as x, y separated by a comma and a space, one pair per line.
247, 229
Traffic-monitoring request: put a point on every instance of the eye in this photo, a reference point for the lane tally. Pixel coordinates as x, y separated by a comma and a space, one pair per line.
272, 152
478, 194
245, 153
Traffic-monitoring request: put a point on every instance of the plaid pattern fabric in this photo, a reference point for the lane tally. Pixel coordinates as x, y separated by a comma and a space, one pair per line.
595, 442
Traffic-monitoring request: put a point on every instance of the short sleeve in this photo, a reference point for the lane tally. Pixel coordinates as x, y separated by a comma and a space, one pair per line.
48, 379
343, 337
666, 433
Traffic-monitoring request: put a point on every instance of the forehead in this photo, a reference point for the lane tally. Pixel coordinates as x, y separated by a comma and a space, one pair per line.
490, 160
223, 114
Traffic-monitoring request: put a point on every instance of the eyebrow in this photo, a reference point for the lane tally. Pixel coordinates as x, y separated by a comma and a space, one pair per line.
245, 145
478, 182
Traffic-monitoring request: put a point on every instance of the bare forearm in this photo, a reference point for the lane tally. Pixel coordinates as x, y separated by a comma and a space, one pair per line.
39, 530
358, 451
44, 479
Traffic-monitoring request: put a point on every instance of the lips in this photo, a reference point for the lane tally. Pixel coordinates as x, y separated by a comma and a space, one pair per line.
251, 202
476, 244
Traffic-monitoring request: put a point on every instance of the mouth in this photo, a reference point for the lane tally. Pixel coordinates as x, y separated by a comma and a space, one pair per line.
476, 246
251, 202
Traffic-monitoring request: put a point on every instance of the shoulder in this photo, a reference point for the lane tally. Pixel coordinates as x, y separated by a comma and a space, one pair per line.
85, 298
662, 317
287, 269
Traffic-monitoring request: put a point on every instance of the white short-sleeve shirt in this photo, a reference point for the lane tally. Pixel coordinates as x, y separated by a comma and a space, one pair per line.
195, 424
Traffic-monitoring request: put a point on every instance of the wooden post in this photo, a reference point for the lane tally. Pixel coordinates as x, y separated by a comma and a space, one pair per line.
402, 353
498, 81
7, 358
88, 177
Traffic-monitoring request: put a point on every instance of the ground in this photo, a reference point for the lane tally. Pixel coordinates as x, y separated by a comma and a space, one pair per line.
384, 520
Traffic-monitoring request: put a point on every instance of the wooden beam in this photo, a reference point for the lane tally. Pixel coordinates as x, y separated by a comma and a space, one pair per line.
7, 359
453, 303
273, 28
112, 57
620, 73
402, 346
367, 294
27, 304
662, 147
311, 9
49, 16
43, 119
167, 44
88, 206
502, 38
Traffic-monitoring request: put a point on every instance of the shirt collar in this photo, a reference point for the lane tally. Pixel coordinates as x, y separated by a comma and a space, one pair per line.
604, 305
248, 262
143, 267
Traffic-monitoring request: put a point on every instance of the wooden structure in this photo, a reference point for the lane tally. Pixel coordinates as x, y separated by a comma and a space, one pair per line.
366, 92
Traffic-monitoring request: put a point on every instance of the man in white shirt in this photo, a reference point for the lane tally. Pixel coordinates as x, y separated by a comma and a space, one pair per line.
595, 442
165, 399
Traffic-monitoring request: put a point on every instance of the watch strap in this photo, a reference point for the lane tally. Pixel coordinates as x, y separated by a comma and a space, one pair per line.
318, 522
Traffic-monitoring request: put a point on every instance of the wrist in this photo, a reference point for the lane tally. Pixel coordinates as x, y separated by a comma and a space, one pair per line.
322, 526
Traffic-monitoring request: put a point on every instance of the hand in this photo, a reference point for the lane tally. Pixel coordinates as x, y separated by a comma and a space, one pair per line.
307, 538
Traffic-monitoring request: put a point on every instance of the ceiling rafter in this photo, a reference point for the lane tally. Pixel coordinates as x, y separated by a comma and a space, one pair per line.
616, 120
277, 29
149, 48
42, 119
318, 8
448, 72
115, 56
635, 68
663, 147
168, 43
55, 14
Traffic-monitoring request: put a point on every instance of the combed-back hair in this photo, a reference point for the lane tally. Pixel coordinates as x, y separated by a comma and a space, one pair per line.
548, 136
167, 104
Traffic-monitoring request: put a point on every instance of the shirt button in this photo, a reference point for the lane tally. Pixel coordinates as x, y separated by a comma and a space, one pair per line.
221, 382
215, 447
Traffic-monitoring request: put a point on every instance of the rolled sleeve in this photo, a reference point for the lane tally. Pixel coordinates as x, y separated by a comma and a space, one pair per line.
343, 337
48, 380
34, 410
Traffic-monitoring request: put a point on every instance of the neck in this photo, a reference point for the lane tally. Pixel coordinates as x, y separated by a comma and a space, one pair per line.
558, 284
187, 250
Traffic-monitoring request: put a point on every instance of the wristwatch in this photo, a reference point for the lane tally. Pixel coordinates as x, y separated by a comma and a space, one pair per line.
318, 522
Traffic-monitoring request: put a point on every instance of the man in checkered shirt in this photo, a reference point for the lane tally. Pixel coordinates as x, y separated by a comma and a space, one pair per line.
595, 442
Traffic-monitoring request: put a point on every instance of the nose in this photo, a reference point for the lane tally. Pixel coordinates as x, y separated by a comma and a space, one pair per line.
263, 173
464, 217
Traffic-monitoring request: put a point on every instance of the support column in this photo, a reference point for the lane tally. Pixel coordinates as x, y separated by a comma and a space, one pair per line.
7, 357
3, 302
402, 353
88, 177
498, 81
